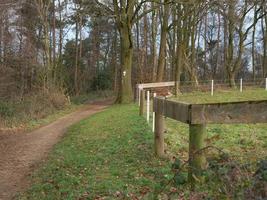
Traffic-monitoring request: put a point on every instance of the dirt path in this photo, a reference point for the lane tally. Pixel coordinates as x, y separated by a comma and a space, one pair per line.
20, 153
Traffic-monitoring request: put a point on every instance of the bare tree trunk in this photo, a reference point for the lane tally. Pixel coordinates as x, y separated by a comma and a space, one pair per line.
54, 42
205, 46
174, 44
193, 49
126, 93
114, 63
154, 43
217, 46
145, 45
76, 57
139, 54
179, 50
43, 11
163, 41
230, 49
253, 44
60, 46
1, 40
264, 62
124, 15
80, 52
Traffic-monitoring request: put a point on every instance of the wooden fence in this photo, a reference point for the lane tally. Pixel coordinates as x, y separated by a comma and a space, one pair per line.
204, 86
198, 116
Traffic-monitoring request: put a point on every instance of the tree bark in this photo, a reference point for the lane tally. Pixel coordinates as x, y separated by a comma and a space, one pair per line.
163, 41
154, 43
126, 93
124, 20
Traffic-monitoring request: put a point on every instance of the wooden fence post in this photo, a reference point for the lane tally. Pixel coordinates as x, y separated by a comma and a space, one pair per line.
159, 134
197, 159
142, 102
139, 96
241, 85
212, 87
153, 115
148, 106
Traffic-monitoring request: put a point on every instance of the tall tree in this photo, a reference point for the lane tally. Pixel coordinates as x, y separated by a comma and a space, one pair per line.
163, 40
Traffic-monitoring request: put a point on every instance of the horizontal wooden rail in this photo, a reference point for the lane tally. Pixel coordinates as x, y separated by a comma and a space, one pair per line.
229, 113
214, 113
172, 109
155, 85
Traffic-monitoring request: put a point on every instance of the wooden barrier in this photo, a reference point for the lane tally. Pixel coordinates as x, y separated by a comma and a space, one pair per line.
215, 113
197, 116
148, 106
159, 134
155, 85
140, 87
197, 159
142, 103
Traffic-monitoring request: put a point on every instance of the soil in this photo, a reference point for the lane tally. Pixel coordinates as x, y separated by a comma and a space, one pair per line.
22, 153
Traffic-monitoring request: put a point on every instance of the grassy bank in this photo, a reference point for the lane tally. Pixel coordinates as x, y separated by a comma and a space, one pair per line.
236, 154
223, 96
108, 156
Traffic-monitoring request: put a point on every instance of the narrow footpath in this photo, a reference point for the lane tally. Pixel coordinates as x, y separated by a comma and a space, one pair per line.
22, 153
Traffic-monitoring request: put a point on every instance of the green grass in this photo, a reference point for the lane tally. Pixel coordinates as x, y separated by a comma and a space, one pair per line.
245, 146
222, 96
110, 156
107, 155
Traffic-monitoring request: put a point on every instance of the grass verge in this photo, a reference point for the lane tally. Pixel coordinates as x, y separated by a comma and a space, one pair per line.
238, 152
110, 156
223, 96
107, 156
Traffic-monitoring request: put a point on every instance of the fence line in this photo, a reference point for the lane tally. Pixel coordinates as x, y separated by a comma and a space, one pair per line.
211, 86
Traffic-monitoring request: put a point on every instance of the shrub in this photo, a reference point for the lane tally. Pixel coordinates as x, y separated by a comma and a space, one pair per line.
32, 106
102, 81
6, 110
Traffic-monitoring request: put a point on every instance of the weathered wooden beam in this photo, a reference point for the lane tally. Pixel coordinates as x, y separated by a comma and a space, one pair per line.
215, 113
172, 109
155, 85
159, 134
197, 159
229, 113
142, 103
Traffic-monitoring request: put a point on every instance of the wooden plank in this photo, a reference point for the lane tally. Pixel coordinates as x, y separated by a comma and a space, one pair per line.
154, 85
216, 113
178, 111
229, 113
172, 109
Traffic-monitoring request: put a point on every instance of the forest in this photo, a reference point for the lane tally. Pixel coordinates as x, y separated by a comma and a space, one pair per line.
79, 77
80, 46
